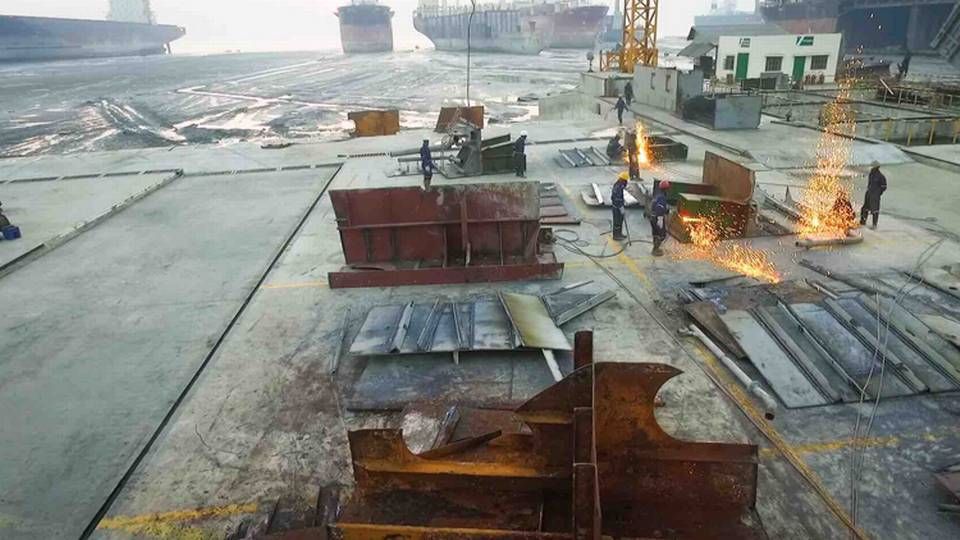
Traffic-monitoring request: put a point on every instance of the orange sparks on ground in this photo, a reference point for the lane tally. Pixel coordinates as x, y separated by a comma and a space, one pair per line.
705, 245
825, 204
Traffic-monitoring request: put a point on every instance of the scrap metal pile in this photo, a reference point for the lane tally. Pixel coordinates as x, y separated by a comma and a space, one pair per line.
818, 344
584, 458
505, 322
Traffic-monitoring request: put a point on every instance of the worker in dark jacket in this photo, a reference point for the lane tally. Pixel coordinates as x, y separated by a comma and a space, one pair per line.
876, 185
620, 107
520, 154
658, 212
615, 148
628, 92
633, 155
4, 222
619, 204
426, 163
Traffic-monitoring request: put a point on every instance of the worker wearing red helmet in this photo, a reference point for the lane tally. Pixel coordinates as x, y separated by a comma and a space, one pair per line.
658, 212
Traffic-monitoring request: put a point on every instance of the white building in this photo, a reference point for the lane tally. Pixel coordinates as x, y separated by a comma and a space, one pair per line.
746, 57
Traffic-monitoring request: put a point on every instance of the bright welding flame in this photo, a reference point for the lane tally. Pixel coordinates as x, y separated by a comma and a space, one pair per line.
705, 235
642, 145
825, 204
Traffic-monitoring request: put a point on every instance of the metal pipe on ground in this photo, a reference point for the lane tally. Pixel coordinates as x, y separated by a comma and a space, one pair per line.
848, 240
769, 403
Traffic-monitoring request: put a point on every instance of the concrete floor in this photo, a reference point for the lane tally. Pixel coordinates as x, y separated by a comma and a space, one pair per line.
117, 321
264, 418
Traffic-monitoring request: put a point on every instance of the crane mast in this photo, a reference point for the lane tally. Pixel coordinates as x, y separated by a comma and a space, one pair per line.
639, 44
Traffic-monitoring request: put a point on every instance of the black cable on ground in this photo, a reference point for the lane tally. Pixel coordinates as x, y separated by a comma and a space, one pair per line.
115, 493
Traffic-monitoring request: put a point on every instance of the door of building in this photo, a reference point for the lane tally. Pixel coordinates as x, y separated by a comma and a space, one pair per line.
799, 63
743, 59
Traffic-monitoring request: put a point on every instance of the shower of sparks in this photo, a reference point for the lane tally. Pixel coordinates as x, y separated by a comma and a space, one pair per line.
705, 244
642, 145
824, 205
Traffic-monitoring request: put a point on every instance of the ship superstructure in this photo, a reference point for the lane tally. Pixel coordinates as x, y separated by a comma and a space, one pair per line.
366, 26
135, 11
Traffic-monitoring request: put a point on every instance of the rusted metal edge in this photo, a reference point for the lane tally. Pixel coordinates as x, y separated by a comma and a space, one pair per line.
351, 278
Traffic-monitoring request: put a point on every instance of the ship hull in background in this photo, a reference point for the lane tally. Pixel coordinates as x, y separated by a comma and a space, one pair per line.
497, 31
867, 25
577, 27
366, 29
26, 39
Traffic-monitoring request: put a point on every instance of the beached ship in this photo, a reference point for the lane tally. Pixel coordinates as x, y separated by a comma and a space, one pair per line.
574, 24
501, 28
132, 31
366, 26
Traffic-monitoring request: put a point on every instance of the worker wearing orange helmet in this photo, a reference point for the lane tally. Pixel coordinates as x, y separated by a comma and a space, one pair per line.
619, 205
658, 212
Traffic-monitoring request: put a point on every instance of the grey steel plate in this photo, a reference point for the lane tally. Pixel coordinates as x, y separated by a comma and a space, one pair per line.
780, 371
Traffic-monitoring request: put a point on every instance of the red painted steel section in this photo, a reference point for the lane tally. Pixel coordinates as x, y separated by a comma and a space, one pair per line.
448, 234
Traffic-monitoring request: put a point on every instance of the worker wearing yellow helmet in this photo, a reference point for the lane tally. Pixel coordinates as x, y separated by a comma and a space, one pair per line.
618, 202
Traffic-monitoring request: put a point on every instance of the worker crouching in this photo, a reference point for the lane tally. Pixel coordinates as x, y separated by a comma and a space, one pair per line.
658, 211
619, 205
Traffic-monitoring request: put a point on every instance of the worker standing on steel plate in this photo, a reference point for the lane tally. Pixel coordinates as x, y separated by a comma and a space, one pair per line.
876, 185
619, 205
426, 163
628, 92
520, 154
620, 107
659, 209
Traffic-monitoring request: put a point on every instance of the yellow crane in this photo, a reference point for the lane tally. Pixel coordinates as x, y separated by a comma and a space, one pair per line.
639, 44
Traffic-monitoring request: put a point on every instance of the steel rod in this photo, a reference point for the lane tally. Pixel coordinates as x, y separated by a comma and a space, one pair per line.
769, 404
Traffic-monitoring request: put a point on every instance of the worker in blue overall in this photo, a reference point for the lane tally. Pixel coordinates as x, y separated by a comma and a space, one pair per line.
619, 205
620, 107
520, 155
426, 163
658, 212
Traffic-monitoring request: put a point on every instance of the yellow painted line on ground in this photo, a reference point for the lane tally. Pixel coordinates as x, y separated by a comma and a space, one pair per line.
631, 265
297, 285
777, 440
837, 445
172, 524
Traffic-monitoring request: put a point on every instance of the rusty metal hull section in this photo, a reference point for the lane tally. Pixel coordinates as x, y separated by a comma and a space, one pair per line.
589, 460
446, 234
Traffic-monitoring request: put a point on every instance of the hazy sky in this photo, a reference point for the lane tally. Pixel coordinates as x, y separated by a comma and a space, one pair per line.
215, 25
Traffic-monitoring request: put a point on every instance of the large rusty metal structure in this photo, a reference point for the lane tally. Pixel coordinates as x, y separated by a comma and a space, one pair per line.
585, 458
446, 234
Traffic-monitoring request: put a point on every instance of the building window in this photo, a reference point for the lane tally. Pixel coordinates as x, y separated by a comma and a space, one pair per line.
774, 63
728, 62
666, 83
804, 41
818, 62
744, 43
